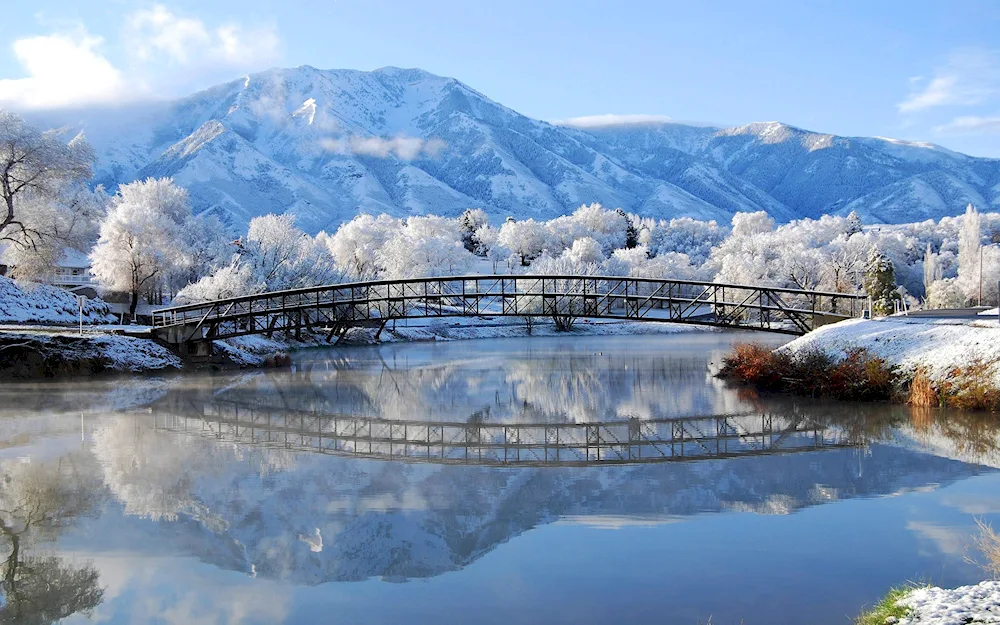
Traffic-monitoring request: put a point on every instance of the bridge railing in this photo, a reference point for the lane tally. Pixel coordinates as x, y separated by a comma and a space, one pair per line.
518, 295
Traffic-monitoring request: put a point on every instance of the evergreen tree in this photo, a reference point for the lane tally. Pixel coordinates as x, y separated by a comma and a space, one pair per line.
853, 223
469, 221
880, 283
631, 234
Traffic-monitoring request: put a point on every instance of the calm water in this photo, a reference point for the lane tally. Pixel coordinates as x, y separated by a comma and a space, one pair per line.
568, 480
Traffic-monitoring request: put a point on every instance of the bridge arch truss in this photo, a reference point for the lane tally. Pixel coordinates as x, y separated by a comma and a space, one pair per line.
338, 307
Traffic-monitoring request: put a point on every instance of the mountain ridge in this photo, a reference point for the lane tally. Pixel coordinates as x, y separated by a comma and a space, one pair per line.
327, 144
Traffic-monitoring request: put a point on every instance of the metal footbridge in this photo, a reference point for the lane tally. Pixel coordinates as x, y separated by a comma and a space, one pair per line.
338, 307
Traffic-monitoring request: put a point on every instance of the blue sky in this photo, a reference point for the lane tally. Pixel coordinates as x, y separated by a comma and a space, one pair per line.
917, 70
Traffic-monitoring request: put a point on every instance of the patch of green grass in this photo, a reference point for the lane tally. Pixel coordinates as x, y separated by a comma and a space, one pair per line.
887, 607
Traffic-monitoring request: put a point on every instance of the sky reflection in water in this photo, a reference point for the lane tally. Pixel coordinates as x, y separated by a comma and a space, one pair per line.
150, 500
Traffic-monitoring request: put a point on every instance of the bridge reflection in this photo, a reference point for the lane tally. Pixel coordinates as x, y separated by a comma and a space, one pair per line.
627, 441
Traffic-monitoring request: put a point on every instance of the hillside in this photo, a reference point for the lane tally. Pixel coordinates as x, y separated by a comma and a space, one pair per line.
326, 144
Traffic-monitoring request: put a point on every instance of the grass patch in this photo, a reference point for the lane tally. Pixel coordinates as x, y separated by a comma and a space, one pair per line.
886, 608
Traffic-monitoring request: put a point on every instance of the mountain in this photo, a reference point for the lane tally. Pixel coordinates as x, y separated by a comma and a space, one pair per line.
326, 144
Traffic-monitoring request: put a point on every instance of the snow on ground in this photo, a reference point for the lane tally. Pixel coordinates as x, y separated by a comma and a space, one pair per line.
937, 345
113, 352
469, 328
25, 302
959, 606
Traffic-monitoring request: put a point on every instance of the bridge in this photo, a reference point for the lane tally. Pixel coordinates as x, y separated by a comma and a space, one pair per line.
338, 307
625, 441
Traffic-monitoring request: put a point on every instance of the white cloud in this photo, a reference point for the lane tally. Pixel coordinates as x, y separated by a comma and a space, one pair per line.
63, 70
168, 54
609, 119
970, 77
968, 125
405, 148
158, 32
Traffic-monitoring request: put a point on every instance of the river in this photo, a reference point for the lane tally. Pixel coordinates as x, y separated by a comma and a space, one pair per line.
539, 480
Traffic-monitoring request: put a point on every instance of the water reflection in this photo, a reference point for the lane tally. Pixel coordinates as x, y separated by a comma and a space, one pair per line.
406, 463
37, 502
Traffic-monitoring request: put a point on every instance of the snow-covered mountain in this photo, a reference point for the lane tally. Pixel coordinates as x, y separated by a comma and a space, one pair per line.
326, 144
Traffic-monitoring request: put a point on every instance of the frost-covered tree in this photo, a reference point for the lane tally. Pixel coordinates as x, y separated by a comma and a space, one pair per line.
585, 251
70, 219
631, 234
488, 245
969, 245
471, 220
43, 198
853, 224
142, 240
425, 246
209, 245
274, 255
880, 283
356, 244
525, 239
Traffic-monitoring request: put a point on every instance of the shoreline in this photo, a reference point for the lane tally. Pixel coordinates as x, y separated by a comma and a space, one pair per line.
33, 352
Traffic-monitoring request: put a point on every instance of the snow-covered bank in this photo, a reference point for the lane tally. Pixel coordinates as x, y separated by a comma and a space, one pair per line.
22, 302
26, 354
936, 346
938, 606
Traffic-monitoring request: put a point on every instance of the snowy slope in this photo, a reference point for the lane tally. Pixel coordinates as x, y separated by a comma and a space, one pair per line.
327, 144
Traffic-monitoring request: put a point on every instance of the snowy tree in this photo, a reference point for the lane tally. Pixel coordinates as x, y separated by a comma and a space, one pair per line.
932, 268
471, 220
356, 244
142, 239
631, 234
209, 245
488, 245
880, 283
46, 204
750, 224
525, 239
70, 219
945, 293
585, 251
969, 245
274, 255
426, 246
853, 224
281, 256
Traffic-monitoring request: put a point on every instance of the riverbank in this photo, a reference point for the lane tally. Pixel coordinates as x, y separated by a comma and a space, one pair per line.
30, 354
48, 352
928, 362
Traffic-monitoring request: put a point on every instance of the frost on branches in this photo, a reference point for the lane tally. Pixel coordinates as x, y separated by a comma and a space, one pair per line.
46, 204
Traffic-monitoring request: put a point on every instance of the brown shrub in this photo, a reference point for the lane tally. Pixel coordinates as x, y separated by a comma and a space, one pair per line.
756, 364
923, 393
972, 388
859, 376
862, 376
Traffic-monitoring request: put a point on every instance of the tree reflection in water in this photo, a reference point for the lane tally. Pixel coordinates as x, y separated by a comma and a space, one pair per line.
37, 501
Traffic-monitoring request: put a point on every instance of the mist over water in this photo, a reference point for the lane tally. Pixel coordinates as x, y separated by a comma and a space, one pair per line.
544, 480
